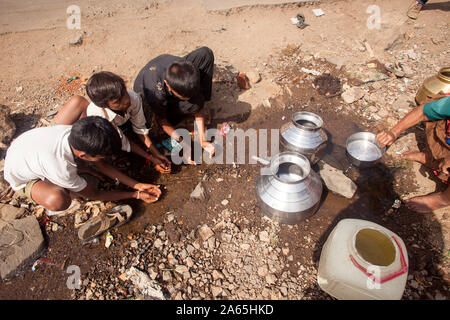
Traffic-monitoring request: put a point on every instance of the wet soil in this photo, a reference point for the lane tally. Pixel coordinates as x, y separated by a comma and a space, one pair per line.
375, 196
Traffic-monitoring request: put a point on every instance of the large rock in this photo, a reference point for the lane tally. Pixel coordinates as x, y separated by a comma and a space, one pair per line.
21, 243
7, 125
199, 192
205, 232
336, 181
9, 212
353, 94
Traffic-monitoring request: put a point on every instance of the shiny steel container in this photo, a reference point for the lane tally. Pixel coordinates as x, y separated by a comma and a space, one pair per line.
363, 150
305, 135
288, 190
433, 85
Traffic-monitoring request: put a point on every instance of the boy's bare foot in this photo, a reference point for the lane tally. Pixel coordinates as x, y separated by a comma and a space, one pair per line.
428, 203
414, 156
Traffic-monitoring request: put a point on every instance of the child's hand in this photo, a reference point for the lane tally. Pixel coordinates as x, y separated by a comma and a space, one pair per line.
147, 197
209, 147
161, 166
385, 138
149, 188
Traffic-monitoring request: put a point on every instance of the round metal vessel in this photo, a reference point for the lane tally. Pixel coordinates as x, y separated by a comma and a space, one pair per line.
288, 190
433, 85
305, 135
363, 150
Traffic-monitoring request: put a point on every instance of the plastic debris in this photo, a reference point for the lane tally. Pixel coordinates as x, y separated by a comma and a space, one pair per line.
242, 81
42, 261
299, 21
397, 204
318, 12
149, 288
225, 129
109, 240
171, 145
72, 78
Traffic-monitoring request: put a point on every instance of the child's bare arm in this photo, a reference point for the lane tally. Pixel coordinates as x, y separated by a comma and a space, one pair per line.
73, 110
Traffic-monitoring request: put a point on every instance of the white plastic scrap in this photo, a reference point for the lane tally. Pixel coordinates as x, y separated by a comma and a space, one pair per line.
313, 72
318, 12
109, 240
148, 287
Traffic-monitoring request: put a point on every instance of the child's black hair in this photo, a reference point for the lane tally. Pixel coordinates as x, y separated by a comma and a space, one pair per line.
96, 136
184, 78
105, 86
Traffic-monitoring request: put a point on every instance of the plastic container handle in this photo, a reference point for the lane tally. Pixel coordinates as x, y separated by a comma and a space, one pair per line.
394, 275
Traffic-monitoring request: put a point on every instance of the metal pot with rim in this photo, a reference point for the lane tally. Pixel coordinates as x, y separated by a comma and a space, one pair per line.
304, 134
288, 190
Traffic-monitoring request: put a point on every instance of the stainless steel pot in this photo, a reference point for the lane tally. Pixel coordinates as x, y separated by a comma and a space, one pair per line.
288, 190
363, 150
305, 135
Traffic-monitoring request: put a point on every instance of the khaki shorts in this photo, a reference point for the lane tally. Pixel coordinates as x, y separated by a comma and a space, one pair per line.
26, 192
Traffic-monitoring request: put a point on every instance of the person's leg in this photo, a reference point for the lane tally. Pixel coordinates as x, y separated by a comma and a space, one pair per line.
50, 196
72, 110
203, 59
431, 202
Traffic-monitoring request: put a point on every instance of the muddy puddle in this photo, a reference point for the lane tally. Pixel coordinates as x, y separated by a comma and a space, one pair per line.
235, 186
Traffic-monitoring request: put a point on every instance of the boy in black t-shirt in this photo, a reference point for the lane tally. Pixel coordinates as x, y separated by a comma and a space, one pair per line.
177, 87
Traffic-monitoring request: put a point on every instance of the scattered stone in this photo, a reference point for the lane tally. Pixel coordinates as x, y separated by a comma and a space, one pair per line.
158, 243
9, 212
19, 89
181, 269
217, 275
21, 243
253, 77
270, 279
263, 271
199, 192
266, 103
245, 246
264, 236
167, 276
205, 232
123, 276
76, 40
336, 181
353, 94
7, 125
216, 291
225, 202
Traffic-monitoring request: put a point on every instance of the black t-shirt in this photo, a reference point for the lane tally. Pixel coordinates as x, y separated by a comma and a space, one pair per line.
150, 82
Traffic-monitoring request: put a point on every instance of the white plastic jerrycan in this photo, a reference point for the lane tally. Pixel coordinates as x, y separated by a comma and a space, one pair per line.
362, 260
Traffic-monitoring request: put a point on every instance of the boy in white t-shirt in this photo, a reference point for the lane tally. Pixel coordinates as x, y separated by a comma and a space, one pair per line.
40, 164
112, 101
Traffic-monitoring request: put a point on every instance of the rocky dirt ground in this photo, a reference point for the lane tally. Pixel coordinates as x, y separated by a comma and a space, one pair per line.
222, 247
